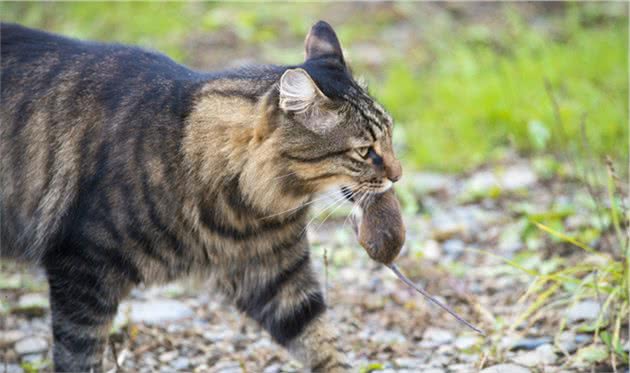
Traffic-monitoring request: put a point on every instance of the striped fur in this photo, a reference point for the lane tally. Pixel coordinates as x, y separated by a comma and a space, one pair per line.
121, 167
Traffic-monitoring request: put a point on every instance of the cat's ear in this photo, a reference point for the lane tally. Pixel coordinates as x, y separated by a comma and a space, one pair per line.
298, 91
322, 42
300, 95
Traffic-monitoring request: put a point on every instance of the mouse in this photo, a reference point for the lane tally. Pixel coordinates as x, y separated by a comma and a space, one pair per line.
379, 226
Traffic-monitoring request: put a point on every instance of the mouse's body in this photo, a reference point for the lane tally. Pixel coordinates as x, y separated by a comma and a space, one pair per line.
379, 226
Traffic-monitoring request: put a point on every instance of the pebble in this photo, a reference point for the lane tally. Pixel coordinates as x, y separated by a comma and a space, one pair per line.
31, 345
434, 337
462, 368
33, 358
429, 183
32, 304
453, 248
586, 310
465, 342
154, 311
168, 356
388, 337
506, 368
431, 250
405, 362
583, 338
444, 230
181, 363
513, 178
227, 367
12, 368
273, 368
530, 343
434, 370
567, 342
9, 338
542, 356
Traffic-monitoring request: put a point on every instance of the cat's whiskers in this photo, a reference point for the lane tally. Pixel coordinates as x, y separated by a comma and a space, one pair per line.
352, 194
356, 205
332, 204
326, 195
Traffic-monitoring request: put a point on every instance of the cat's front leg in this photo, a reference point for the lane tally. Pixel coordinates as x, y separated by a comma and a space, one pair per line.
84, 296
318, 348
285, 298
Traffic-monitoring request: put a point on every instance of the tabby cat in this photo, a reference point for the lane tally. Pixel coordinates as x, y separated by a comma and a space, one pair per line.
120, 167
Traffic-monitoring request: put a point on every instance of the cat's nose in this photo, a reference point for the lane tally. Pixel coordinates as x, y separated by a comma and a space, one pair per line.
393, 170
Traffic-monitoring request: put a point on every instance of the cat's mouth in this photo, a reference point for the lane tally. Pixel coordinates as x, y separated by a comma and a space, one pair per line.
374, 186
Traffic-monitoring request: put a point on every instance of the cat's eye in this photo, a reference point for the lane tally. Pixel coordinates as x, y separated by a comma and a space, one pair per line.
363, 151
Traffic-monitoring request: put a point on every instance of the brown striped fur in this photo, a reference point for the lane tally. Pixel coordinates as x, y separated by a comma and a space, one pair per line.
121, 167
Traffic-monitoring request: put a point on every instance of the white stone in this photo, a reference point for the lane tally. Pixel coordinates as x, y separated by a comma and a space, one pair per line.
586, 310
542, 356
506, 368
465, 342
31, 345
153, 311
9, 337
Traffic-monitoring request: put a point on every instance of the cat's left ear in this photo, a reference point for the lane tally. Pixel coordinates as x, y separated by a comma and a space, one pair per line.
298, 91
300, 95
322, 42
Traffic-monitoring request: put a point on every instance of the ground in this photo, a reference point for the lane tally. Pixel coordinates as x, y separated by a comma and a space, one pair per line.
461, 232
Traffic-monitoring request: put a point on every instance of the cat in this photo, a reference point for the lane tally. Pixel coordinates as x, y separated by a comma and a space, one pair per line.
120, 167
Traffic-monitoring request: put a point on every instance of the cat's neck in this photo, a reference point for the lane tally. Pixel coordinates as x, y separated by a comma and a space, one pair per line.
225, 140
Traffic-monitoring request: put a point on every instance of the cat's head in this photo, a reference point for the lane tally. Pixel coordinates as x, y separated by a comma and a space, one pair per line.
333, 133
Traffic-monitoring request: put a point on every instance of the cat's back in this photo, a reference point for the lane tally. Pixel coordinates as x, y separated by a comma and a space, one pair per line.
74, 116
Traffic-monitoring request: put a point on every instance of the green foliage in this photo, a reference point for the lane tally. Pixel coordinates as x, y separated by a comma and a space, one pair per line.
480, 91
35, 366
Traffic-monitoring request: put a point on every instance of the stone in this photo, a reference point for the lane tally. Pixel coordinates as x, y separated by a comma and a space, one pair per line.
168, 356
567, 342
434, 337
542, 356
32, 304
388, 336
227, 367
465, 342
444, 230
518, 177
462, 368
530, 343
453, 248
431, 250
585, 310
154, 311
9, 338
181, 363
34, 359
434, 370
273, 368
407, 362
12, 368
506, 368
31, 345
429, 183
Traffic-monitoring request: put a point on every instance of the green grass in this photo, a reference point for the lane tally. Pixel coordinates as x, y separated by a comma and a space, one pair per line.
462, 95
482, 92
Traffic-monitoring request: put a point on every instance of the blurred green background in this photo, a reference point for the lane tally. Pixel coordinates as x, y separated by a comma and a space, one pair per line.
467, 83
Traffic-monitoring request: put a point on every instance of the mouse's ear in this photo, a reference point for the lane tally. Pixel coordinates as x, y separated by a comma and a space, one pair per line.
322, 42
